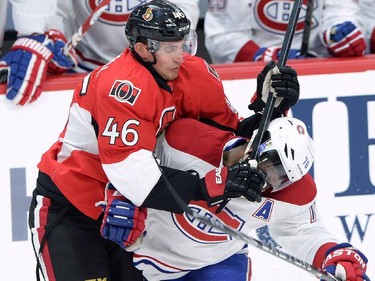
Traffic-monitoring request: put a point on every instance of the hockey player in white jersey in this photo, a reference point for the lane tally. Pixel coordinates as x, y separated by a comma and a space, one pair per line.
180, 247
366, 14
44, 27
248, 30
3, 16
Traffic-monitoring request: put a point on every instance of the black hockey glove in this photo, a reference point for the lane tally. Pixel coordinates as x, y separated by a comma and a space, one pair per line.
230, 182
248, 125
281, 81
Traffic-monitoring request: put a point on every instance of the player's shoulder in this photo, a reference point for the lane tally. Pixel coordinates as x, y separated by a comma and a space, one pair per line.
193, 127
200, 69
180, 134
124, 69
193, 63
300, 193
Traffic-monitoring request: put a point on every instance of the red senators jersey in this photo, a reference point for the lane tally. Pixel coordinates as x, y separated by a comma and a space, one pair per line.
115, 117
199, 94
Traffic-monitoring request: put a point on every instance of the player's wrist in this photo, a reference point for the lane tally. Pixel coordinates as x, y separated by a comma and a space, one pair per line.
62, 60
213, 186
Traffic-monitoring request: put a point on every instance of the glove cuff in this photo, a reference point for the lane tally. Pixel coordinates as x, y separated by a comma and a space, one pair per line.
63, 58
345, 252
257, 105
34, 46
55, 35
214, 185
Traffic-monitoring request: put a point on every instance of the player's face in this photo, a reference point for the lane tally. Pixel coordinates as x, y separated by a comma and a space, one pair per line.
270, 164
169, 57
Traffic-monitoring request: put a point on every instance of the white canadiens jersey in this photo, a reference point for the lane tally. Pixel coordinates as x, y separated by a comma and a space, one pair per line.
105, 39
367, 12
175, 244
3, 16
230, 24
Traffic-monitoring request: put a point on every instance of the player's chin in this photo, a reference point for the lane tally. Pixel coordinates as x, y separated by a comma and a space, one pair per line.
172, 74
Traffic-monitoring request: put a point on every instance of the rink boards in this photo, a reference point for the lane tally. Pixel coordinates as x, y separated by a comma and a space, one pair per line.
337, 103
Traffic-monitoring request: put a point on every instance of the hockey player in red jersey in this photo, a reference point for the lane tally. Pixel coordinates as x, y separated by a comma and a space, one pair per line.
193, 251
116, 115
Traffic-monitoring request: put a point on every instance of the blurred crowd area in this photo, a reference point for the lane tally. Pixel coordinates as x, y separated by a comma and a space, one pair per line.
11, 35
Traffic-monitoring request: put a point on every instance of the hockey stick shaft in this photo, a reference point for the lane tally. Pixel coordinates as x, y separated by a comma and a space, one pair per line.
287, 42
284, 52
91, 19
307, 27
263, 126
319, 273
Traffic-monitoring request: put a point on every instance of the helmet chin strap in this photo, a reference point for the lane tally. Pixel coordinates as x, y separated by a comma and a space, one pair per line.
142, 61
154, 57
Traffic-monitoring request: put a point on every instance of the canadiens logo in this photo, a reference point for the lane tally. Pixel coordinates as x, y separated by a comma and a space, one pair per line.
300, 130
116, 12
200, 232
125, 91
273, 15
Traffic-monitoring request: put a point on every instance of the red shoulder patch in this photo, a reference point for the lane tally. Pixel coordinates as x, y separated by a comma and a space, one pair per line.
300, 193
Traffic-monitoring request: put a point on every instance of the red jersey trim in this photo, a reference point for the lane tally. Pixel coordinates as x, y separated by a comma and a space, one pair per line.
300, 193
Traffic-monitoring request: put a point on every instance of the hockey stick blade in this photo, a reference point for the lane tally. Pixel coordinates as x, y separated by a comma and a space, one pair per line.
319, 273
77, 36
271, 99
307, 27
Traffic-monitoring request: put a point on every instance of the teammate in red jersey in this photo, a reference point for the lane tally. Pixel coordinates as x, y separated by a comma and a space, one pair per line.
116, 114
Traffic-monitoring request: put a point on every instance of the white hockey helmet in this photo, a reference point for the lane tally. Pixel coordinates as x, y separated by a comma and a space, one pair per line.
287, 152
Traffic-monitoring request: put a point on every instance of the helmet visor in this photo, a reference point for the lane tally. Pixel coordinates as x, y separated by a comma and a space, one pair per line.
271, 165
187, 46
191, 43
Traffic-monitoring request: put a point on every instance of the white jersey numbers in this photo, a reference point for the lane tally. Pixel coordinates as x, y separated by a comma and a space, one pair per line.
129, 135
111, 131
